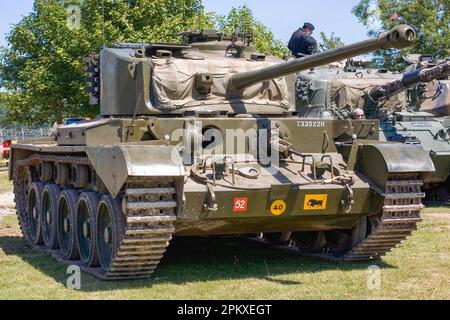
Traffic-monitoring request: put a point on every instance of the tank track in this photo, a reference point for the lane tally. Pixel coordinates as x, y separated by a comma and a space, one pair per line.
149, 208
21, 183
150, 216
399, 218
401, 214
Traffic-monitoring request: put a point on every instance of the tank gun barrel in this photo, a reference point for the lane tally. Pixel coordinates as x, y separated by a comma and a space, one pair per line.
399, 37
408, 80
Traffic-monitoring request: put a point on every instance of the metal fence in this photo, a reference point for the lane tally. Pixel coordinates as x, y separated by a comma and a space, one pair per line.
23, 133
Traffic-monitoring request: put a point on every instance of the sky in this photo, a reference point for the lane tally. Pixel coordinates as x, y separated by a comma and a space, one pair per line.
282, 16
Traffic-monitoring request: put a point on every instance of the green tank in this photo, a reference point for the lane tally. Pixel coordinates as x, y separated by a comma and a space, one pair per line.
203, 139
395, 99
419, 127
434, 98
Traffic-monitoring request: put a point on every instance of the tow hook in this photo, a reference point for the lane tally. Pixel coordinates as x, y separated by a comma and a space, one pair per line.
348, 202
211, 204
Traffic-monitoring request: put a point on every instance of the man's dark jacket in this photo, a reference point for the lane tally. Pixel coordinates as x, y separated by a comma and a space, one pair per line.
302, 43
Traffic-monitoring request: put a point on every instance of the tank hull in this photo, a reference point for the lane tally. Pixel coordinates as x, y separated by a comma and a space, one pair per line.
115, 203
431, 135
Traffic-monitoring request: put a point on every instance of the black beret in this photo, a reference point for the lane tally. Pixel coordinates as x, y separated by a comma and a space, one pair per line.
309, 26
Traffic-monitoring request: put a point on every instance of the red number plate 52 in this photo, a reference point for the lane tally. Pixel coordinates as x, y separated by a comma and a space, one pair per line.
240, 204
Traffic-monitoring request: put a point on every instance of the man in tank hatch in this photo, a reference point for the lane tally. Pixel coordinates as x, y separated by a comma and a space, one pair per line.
302, 42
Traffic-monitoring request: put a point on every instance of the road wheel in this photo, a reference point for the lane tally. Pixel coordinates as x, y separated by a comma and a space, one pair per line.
67, 206
49, 212
86, 229
310, 241
34, 212
110, 229
341, 242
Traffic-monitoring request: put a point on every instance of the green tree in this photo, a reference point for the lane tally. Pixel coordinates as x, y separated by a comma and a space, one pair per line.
331, 42
2, 109
42, 69
241, 19
430, 19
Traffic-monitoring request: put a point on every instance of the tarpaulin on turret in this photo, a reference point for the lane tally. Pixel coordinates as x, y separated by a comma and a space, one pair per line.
351, 93
174, 83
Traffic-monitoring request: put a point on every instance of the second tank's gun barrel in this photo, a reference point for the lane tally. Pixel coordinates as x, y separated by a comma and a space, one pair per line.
399, 37
408, 80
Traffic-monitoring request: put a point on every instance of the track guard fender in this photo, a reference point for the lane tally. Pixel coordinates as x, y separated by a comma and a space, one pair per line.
115, 164
379, 160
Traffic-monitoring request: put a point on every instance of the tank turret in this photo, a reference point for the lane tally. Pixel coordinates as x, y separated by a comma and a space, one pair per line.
337, 89
432, 97
197, 78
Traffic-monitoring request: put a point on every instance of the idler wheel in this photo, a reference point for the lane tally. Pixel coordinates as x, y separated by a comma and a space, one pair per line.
49, 213
86, 229
310, 241
341, 242
34, 212
110, 227
66, 217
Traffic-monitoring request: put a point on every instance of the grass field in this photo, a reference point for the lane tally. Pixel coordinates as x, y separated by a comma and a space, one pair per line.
237, 269
5, 185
